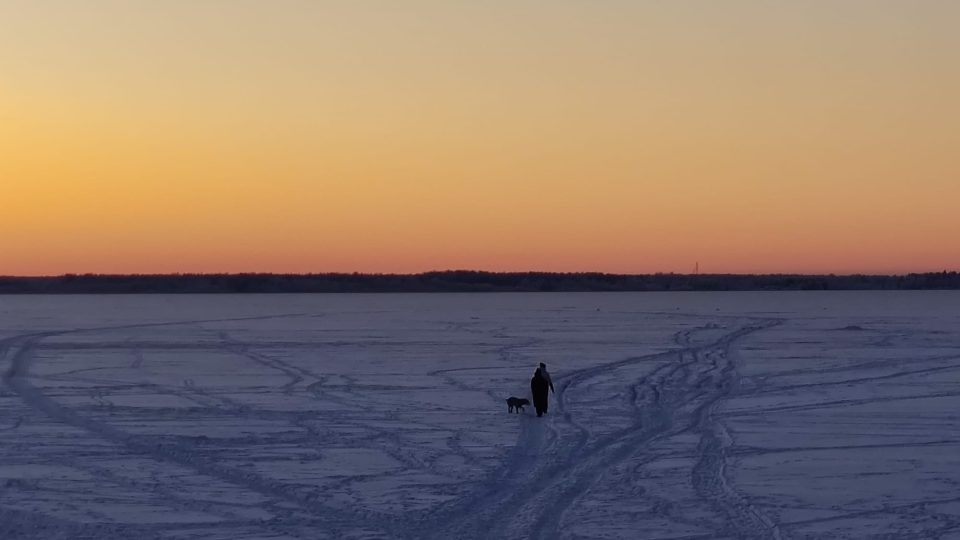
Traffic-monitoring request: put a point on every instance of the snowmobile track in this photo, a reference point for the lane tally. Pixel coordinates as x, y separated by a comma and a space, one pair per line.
555, 462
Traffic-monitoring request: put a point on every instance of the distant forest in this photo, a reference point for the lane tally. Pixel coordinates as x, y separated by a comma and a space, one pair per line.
463, 281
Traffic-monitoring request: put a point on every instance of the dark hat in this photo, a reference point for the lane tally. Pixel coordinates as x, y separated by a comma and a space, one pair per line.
542, 364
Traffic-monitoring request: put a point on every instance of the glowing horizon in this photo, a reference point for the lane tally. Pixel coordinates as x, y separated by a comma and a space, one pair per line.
624, 137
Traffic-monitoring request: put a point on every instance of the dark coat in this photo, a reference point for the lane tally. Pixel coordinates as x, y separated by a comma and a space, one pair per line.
540, 388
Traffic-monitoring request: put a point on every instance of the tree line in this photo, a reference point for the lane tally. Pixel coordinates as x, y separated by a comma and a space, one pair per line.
464, 281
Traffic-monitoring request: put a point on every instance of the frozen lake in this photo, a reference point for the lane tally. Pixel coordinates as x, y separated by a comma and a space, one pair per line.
676, 415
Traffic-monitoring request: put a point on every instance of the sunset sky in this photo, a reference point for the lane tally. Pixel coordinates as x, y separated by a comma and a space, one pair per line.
403, 136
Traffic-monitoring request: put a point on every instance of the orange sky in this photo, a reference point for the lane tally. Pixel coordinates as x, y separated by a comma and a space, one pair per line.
620, 136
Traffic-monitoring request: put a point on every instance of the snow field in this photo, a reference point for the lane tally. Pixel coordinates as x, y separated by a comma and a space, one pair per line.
728, 415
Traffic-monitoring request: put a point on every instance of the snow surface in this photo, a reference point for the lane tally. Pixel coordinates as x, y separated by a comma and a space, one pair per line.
676, 415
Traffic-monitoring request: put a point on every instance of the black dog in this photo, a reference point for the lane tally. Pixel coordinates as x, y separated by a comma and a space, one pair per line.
516, 404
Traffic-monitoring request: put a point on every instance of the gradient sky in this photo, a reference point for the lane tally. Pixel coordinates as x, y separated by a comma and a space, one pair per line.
386, 136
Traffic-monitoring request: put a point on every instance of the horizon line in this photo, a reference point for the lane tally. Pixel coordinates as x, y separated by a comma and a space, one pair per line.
491, 272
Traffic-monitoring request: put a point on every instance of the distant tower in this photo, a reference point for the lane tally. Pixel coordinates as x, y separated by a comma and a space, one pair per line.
696, 269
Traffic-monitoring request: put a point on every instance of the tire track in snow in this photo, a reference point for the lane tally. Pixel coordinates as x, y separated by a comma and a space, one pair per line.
386, 441
18, 350
28, 524
755, 451
841, 403
556, 462
296, 375
17, 381
709, 475
682, 394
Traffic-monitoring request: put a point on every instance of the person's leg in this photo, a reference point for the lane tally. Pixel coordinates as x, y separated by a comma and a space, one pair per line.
538, 402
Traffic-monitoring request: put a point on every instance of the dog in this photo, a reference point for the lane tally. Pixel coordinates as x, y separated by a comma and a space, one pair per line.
516, 404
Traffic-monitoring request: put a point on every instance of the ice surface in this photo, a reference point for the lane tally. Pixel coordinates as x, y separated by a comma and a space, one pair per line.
676, 415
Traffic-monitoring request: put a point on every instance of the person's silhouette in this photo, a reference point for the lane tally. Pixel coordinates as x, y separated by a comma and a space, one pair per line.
540, 386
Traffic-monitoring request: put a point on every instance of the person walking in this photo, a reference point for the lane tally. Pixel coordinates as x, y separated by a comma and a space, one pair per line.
540, 386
